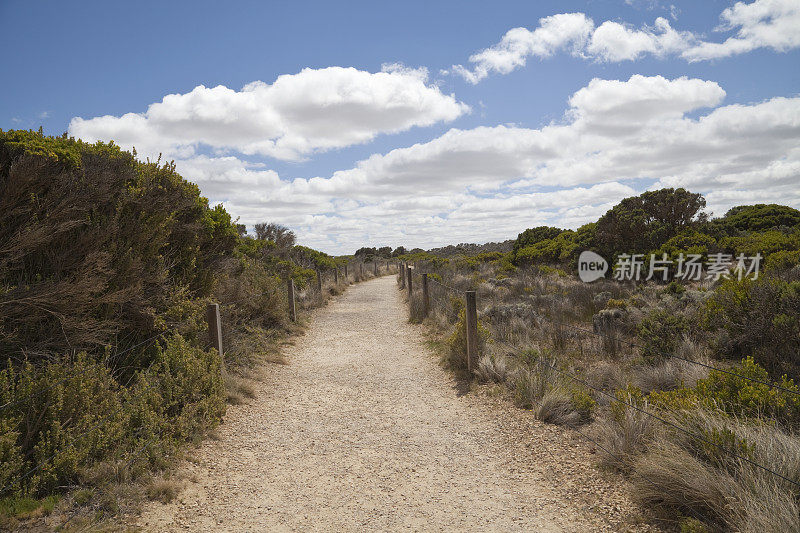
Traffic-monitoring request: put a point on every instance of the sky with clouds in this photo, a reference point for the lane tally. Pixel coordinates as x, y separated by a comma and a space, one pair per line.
424, 123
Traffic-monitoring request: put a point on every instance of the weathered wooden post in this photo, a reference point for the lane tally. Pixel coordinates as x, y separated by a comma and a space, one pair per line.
375, 268
214, 327
472, 331
426, 299
408, 281
336, 276
319, 281
402, 276
290, 294
361, 270
346, 277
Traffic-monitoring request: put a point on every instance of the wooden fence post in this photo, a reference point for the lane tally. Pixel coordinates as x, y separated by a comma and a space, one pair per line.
214, 327
375, 268
408, 271
361, 270
336, 276
472, 331
319, 281
402, 276
426, 299
290, 295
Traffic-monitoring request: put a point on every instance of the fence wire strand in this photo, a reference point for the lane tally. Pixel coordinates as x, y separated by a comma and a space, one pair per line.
81, 373
661, 419
657, 417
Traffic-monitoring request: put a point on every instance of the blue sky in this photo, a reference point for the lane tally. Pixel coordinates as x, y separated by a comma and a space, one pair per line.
480, 153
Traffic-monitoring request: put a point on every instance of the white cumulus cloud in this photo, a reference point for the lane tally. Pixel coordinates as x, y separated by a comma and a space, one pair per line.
617, 138
298, 114
555, 33
615, 42
772, 24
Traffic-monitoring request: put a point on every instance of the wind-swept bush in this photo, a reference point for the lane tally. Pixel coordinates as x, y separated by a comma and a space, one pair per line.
97, 247
107, 265
759, 318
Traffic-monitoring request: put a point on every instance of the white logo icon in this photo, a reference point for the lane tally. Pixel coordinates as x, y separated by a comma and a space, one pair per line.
591, 266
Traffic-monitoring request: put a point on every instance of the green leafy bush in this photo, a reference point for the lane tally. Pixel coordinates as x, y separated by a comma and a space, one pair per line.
103, 254
758, 217
660, 332
748, 395
782, 260
97, 246
642, 223
758, 318
66, 416
583, 403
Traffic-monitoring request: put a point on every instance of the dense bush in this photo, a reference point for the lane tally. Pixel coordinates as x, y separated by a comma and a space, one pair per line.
765, 243
65, 417
642, 223
107, 265
759, 318
758, 217
660, 332
97, 246
742, 391
532, 236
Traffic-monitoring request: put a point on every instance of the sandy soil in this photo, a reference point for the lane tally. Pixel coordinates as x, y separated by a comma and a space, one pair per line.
363, 431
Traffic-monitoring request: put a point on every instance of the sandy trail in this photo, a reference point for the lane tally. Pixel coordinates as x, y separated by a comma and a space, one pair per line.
363, 431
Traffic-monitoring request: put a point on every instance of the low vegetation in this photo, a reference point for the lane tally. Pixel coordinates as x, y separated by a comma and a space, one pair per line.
107, 265
689, 387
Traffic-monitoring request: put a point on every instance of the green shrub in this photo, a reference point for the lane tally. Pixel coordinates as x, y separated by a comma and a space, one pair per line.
103, 253
692, 525
688, 242
583, 403
758, 217
765, 243
643, 223
23, 507
758, 318
660, 332
532, 236
675, 288
739, 396
69, 415
96, 245
782, 260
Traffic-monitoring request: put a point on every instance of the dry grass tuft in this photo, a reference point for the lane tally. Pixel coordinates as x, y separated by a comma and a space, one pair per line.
671, 481
416, 308
670, 375
163, 490
238, 388
626, 434
493, 368
682, 475
556, 407
605, 375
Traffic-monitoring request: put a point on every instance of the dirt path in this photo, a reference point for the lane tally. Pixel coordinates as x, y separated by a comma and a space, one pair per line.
363, 431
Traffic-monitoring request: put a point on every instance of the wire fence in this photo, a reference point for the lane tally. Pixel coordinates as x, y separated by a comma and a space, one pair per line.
667, 420
354, 271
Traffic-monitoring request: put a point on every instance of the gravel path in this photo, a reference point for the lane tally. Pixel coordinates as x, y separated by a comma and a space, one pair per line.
363, 431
